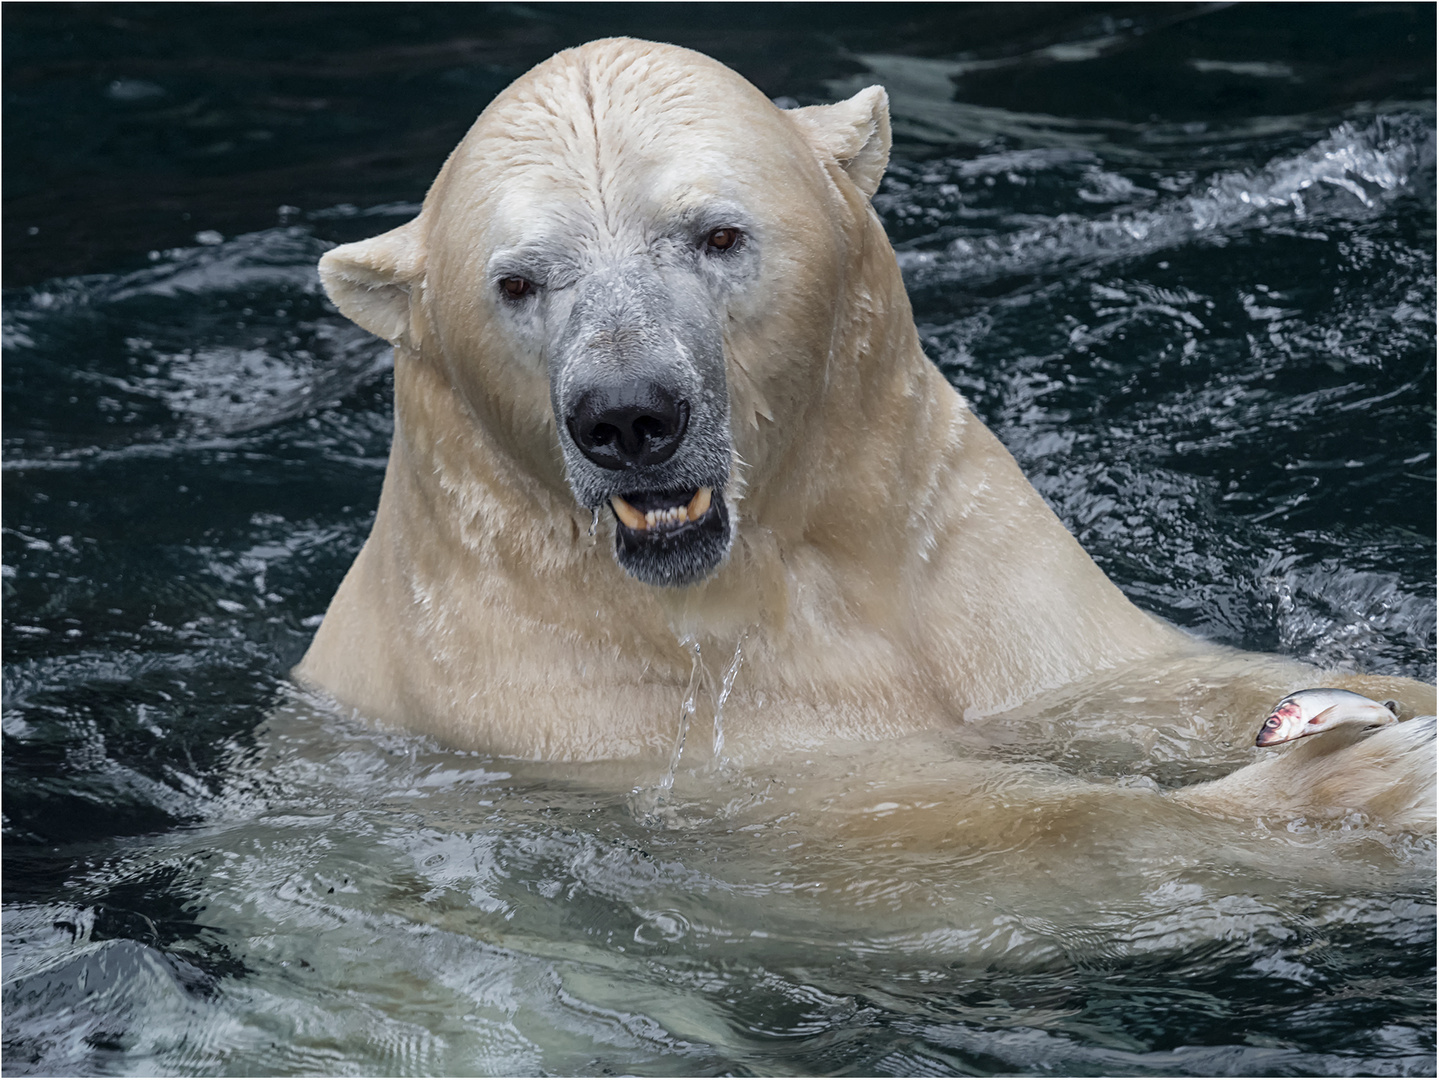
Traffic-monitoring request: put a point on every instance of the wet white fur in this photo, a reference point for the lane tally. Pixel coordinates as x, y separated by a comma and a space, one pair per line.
893, 571
1386, 773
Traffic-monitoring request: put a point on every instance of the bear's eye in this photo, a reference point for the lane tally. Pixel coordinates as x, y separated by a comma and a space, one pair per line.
722, 239
516, 288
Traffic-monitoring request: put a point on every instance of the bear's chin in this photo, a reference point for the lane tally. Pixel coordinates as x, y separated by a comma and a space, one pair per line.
680, 555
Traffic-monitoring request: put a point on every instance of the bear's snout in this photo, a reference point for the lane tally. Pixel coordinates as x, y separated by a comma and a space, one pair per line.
639, 422
641, 407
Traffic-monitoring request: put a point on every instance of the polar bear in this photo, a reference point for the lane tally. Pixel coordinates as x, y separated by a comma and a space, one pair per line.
662, 412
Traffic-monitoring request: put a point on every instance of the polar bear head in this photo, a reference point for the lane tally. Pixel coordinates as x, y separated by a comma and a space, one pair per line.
633, 272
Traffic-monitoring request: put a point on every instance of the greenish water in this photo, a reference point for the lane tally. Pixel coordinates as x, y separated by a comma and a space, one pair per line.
1181, 260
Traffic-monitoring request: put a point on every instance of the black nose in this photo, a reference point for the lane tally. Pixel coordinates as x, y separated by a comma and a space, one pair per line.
638, 423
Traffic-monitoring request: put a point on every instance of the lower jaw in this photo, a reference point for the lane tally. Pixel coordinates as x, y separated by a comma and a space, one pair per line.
677, 555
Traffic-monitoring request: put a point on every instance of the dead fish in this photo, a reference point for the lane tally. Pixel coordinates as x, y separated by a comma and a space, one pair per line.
1308, 712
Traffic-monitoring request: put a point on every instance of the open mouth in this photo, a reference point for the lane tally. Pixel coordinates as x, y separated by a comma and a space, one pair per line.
650, 511
671, 537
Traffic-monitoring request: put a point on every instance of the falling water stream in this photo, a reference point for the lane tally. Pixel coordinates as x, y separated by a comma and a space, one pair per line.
726, 687
646, 799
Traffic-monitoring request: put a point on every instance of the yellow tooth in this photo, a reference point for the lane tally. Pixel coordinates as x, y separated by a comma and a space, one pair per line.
627, 513
699, 505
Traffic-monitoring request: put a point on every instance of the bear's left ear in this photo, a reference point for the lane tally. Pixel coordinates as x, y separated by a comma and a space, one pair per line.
855, 133
370, 281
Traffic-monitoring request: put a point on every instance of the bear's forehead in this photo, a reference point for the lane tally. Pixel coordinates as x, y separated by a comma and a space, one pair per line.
560, 196
620, 78
628, 141
569, 226
624, 112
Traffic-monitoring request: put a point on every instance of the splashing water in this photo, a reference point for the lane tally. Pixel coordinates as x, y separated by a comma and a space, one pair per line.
1348, 176
646, 799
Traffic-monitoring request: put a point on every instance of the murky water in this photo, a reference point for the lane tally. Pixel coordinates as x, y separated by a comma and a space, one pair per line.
1201, 316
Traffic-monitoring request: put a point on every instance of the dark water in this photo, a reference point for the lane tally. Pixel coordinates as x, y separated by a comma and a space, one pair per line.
1180, 258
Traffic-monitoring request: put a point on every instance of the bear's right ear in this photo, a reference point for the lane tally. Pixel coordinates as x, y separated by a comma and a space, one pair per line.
370, 281
855, 133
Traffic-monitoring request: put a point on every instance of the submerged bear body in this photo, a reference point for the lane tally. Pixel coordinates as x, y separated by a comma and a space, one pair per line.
663, 419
